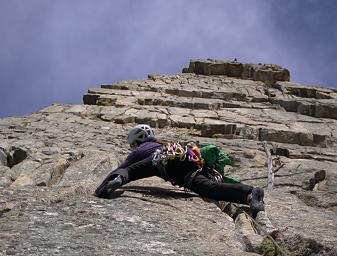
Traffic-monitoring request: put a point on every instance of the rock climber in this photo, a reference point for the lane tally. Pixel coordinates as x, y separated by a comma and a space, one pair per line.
182, 166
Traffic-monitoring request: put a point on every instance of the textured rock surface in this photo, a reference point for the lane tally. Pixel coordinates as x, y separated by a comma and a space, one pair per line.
257, 72
51, 161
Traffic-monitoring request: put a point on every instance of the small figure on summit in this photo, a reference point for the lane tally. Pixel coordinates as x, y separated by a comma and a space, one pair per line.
186, 166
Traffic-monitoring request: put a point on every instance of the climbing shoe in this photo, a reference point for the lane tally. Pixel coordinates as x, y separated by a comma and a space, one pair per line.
112, 185
256, 203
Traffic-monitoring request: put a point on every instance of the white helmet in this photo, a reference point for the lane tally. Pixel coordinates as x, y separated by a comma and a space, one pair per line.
140, 133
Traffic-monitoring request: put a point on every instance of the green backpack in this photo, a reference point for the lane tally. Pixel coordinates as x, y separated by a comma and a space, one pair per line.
216, 158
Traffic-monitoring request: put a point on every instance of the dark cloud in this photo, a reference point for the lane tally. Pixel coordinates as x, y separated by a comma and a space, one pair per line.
52, 51
305, 32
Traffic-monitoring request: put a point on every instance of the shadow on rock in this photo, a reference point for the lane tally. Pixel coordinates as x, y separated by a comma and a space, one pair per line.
115, 194
159, 192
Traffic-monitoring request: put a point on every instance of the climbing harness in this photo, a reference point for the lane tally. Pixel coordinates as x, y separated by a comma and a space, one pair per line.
175, 151
216, 176
201, 157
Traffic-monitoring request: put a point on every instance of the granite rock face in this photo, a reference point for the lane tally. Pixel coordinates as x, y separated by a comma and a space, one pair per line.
52, 160
257, 72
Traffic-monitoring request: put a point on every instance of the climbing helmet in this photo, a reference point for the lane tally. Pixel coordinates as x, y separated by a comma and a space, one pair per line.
139, 134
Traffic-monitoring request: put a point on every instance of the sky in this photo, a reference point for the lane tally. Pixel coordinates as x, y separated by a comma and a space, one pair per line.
52, 51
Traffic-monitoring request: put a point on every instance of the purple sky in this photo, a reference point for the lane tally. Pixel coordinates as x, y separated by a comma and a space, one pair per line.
52, 51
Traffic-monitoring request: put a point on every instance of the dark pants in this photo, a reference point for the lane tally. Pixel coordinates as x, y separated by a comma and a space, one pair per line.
205, 187
139, 170
234, 193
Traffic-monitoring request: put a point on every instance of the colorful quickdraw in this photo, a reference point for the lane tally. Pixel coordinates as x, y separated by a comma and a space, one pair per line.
172, 151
